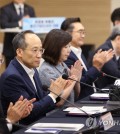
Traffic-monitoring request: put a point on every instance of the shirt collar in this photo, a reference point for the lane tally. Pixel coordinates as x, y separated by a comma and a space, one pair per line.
76, 50
17, 6
29, 71
117, 57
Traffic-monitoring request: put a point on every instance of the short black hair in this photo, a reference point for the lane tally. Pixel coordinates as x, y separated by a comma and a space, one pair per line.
115, 15
19, 40
66, 25
55, 40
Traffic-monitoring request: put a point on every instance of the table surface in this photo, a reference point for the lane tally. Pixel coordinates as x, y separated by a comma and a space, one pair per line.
60, 117
11, 30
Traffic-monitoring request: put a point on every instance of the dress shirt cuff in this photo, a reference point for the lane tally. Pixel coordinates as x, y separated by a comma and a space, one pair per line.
54, 100
9, 124
20, 23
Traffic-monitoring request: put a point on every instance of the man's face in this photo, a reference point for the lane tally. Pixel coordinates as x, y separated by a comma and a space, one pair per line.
19, 1
78, 34
31, 55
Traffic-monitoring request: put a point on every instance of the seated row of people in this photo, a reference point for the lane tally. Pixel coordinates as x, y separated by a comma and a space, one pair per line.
62, 54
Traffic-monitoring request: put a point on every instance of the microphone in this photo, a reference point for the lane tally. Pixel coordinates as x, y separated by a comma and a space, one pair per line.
113, 110
89, 129
104, 74
46, 88
66, 77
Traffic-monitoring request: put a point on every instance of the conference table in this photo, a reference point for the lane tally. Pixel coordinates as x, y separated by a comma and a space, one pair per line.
59, 116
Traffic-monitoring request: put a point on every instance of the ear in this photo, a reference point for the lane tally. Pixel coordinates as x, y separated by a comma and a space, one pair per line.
19, 52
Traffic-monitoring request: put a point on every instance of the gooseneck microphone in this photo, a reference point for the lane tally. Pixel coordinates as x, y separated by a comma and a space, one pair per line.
66, 77
107, 75
89, 130
46, 88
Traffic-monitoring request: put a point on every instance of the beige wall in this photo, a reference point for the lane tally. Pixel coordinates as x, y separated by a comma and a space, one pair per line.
93, 13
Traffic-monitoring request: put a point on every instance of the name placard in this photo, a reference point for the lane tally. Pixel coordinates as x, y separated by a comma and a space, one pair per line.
42, 24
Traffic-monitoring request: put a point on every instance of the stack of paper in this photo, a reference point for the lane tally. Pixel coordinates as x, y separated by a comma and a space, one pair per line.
101, 96
88, 109
53, 127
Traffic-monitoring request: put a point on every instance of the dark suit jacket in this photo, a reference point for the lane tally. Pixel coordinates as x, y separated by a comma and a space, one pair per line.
9, 19
3, 126
15, 82
111, 67
87, 76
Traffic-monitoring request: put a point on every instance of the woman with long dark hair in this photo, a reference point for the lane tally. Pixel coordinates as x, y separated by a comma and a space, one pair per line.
57, 50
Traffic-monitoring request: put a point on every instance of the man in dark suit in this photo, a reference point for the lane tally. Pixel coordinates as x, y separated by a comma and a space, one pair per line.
22, 78
11, 16
20, 109
89, 75
113, 66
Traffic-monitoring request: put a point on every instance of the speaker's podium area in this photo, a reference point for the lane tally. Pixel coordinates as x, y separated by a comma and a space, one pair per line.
39, 25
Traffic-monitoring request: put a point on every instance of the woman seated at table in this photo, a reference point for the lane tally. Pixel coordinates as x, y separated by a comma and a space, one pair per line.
57, 50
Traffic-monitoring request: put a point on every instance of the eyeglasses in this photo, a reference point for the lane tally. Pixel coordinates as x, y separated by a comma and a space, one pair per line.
36, 51
81, 32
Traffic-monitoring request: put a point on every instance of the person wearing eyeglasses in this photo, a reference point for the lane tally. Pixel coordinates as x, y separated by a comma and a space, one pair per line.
15, 112
21, 78
11, 16
76, 29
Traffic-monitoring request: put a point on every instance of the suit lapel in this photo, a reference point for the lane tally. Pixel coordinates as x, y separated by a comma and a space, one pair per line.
84, 60
14, 10
38, 84
73, 56
25, 76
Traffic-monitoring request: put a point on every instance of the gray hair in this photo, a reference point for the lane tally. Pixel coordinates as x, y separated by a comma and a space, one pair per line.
115, 32
19, 40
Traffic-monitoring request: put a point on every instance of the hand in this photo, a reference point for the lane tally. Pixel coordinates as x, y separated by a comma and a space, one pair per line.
16, 112
20, 22
76, 70
101, 57
110, 54
29, 108
26, 16
57, 86
70, 82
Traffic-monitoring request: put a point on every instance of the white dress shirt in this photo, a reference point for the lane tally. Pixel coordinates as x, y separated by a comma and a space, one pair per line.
18, 6
78, 52
9, 125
